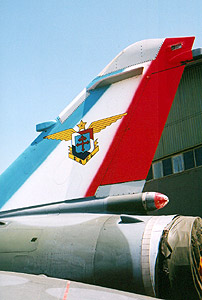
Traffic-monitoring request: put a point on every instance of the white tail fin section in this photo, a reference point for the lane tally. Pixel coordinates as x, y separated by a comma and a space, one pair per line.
106, 138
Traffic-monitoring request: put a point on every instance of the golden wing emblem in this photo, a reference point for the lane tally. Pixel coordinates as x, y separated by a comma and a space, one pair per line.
64, 135
103, 123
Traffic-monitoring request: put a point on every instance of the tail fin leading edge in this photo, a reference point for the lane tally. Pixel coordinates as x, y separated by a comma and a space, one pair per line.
108, 135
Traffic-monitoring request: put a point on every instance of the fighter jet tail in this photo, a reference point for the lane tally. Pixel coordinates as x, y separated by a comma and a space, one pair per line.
103, 143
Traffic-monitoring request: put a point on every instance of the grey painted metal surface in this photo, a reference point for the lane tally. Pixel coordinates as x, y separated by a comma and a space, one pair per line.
109, 250
140, 203
18, 286
137, 53
124, 188
88, 248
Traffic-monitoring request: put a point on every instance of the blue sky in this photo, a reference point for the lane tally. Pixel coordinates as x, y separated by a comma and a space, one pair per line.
51, 49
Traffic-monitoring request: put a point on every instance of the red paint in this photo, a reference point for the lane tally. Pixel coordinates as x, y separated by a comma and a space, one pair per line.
66, 291
132, 150
160, 200
89, 130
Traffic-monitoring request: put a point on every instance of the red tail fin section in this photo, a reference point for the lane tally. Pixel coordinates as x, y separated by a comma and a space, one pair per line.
134, 145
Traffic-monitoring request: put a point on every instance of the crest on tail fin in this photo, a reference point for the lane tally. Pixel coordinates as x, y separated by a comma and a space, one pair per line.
83, 145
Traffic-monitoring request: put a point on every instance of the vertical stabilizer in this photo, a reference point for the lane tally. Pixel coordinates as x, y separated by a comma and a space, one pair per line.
105, 140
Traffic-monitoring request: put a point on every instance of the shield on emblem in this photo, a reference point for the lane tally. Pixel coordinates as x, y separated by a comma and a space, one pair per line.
82, 142
83, 146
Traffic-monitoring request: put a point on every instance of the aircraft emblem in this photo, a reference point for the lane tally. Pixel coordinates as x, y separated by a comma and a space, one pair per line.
83, 145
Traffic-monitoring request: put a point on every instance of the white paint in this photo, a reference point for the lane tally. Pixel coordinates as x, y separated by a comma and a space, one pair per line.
54, 220
73, 105
89, 292
10, 280
59, 177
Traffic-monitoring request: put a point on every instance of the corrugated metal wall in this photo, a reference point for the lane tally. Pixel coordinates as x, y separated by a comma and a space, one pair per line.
183, 128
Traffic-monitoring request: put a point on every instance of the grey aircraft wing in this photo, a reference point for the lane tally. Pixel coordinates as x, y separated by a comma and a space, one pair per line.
18, 286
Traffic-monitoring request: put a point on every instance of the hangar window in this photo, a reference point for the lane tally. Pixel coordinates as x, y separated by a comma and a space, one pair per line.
178, 164
167, 167
188, 160
158, 170
198, 156
175, 164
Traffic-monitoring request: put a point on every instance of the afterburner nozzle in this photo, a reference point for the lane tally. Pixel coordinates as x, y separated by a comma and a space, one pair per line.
179, 260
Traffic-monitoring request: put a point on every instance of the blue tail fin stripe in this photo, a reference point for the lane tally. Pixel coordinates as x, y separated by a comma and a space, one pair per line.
27, 163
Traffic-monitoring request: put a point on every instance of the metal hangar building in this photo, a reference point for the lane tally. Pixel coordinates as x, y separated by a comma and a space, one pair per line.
176, 169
